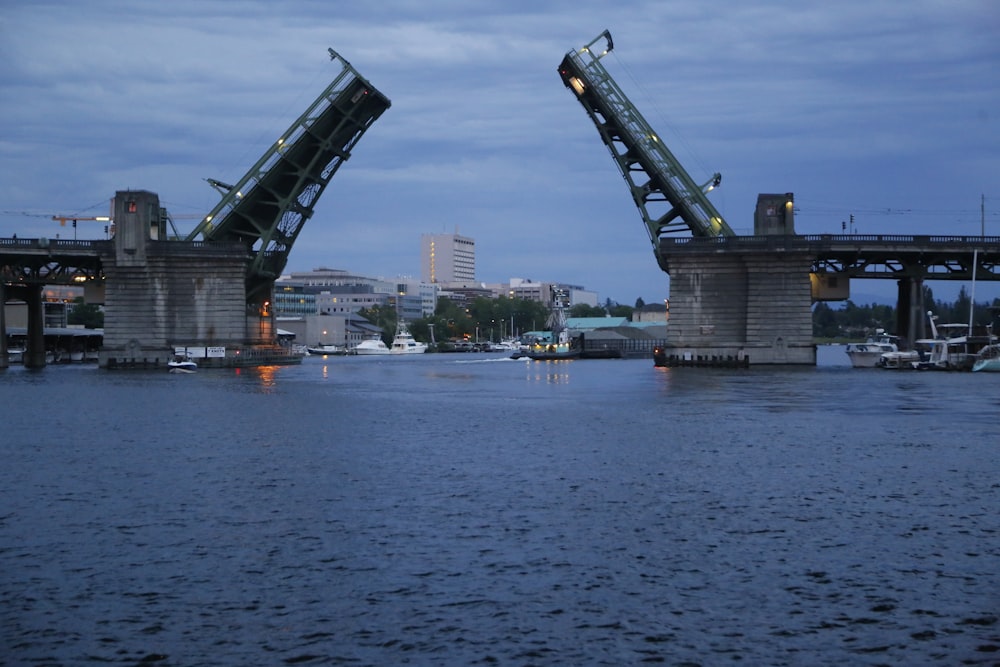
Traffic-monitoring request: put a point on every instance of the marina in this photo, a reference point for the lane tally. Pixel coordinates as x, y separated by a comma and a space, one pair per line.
951, 347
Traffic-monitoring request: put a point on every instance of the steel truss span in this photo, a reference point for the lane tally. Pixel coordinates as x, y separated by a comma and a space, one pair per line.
266, 209
668, 198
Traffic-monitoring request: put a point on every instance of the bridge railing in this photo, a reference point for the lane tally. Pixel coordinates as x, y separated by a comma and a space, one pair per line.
814, 240
49, 244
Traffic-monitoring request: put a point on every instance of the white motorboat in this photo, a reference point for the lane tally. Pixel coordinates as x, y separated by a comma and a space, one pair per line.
372, 346
949, 349
182, 364
867, 354
404, 343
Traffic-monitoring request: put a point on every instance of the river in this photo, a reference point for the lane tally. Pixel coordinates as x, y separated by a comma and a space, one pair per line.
475, 510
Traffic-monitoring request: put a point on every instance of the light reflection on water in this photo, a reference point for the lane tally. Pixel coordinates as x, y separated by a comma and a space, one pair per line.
447, 510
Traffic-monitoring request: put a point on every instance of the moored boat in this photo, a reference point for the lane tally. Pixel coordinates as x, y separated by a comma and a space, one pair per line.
323, 350
988, 359
868, 354
371, 347
404, 343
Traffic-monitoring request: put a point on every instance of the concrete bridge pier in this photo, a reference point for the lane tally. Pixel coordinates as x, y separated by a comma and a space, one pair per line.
751, 308
34, 352
911, 319
3, 326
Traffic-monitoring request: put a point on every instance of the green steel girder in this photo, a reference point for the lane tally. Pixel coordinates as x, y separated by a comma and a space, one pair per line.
667, 197
267, 208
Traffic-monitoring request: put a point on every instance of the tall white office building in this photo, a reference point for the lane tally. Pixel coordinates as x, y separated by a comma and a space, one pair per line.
447, 258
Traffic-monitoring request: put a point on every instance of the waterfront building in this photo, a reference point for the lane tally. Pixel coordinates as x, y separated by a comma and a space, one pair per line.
337, 292
521, 288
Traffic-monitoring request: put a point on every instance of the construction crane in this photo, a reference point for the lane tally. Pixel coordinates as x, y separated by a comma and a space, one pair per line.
668, 198
63, 219
109, 227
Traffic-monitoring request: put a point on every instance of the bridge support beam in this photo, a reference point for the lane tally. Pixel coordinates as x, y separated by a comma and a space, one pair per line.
34, 352
910, 318
3, 326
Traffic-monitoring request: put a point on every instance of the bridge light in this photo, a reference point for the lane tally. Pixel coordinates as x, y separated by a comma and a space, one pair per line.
577, 85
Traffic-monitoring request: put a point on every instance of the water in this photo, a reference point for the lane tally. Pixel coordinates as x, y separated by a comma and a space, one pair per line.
469, 509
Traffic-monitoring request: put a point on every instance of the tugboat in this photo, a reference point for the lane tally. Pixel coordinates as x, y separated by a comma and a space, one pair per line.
563, 346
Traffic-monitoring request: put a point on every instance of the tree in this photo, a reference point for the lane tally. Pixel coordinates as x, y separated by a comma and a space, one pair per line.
88, 315
825, 321
639, 303
383, 317
585, 310
622, 311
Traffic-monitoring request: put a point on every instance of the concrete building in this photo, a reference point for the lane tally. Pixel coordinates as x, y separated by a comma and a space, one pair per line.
447, 258
342, 329
520, 288
337, 292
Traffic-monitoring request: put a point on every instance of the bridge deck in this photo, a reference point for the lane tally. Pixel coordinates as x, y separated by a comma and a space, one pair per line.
878, 256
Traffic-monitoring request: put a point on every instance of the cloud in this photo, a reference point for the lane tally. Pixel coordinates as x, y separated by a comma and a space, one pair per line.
857, 106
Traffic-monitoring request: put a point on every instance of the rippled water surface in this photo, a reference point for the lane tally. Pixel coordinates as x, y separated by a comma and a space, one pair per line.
469, 509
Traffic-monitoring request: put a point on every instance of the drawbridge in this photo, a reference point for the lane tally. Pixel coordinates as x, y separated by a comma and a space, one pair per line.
266, 209
669, 200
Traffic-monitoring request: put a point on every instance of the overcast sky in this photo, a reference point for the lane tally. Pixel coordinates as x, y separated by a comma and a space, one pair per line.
885, 109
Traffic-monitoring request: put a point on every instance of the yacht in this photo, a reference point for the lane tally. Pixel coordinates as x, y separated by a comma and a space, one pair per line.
372, 346
867, 354
404, 343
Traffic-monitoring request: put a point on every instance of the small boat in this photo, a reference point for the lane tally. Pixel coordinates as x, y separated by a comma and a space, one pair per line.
949, 349
324, 350
372, 346
182, 364
868, 354
988, 359
900, 359
404, 343
563, 346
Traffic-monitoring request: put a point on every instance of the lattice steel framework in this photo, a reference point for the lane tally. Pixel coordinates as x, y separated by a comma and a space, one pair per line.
266, 209
667, 197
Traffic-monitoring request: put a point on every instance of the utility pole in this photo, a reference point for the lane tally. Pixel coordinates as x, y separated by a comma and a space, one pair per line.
982, 215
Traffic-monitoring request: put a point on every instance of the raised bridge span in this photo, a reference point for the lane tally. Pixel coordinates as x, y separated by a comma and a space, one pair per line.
212, 289
749, 298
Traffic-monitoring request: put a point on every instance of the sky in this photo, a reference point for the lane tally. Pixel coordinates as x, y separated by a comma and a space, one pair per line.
886, 110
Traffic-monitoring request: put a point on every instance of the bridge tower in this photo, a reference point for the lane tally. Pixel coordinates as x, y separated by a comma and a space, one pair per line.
725, 306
